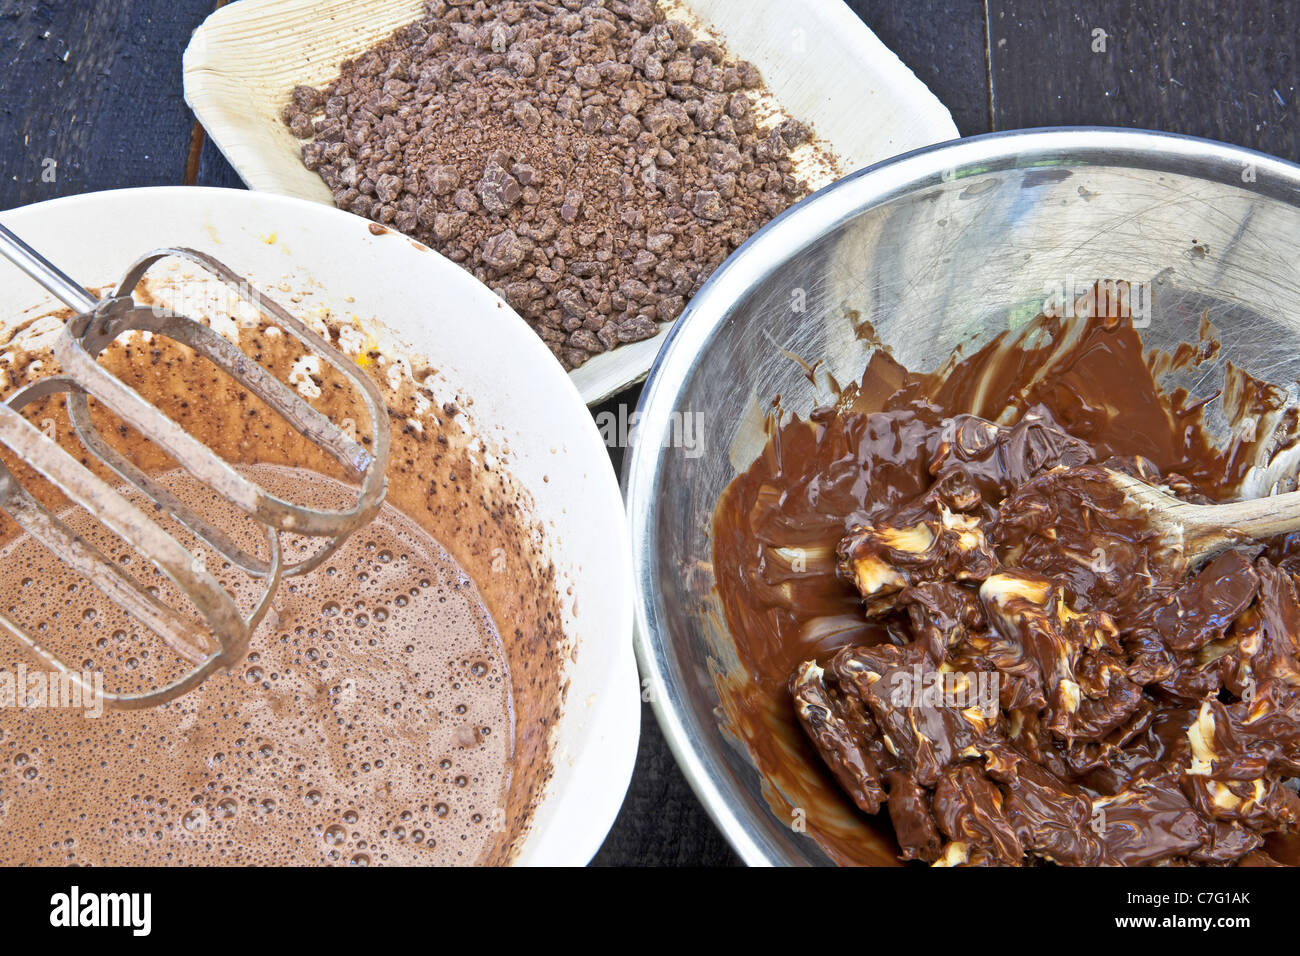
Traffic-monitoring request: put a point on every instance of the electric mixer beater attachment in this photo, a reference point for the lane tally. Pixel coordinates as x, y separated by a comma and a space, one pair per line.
222, 638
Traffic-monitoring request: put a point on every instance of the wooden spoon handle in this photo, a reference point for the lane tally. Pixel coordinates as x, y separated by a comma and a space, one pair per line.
1205, 530
1210, 528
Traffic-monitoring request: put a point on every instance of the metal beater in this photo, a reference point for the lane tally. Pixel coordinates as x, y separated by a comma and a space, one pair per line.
96, 324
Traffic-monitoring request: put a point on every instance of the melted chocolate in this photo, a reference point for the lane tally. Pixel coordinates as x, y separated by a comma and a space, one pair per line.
1091, 700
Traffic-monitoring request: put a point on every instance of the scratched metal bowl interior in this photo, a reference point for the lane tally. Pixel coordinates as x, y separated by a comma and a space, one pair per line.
940, 248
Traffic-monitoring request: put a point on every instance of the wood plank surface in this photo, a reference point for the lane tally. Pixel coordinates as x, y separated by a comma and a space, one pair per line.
90, 95
943, 42
1227, 71
95, 87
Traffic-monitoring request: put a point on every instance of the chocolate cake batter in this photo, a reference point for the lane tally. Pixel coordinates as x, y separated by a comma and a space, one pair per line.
370, 723
385, 712
952, 531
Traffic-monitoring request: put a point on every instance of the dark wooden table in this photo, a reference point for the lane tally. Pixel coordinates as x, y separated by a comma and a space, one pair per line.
90, 98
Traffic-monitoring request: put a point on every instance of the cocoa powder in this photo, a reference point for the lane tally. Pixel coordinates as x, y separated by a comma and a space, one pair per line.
592, 162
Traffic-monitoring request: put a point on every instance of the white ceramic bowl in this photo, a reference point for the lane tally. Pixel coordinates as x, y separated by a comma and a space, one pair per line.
521, 397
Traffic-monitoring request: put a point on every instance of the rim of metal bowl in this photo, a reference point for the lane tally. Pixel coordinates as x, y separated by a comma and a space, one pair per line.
754, 261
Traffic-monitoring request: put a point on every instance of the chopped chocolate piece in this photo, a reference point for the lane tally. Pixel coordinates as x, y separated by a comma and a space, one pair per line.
444, 180
1211, 599
709, 205
498, 190
832, 721
504, 251
909, 810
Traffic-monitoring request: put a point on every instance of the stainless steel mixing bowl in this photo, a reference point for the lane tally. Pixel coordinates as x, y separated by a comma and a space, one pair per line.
937, 248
